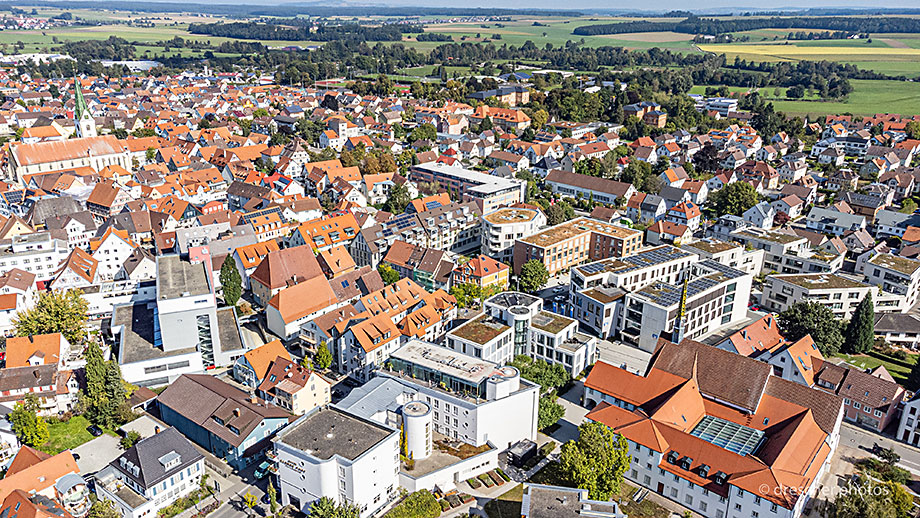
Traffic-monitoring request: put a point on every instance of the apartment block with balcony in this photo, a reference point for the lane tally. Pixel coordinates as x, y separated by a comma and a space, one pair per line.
575, 242
786, 252
898, 276
502, 227
841, 294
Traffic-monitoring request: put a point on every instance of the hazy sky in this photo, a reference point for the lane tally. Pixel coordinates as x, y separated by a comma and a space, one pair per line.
658, 5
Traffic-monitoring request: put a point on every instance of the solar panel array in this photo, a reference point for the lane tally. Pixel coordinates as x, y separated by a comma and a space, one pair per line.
593, 268
728, 435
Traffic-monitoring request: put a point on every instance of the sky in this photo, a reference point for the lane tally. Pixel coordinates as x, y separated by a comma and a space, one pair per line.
658, 5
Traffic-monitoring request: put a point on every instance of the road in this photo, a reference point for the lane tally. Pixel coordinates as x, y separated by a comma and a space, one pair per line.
857, 438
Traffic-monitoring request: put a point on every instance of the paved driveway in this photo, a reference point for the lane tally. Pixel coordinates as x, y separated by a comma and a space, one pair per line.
97, 454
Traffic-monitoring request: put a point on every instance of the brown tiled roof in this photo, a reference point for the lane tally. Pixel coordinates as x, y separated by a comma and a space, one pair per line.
743, 389
287, 267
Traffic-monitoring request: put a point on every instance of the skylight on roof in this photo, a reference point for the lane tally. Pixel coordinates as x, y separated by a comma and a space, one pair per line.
726, 434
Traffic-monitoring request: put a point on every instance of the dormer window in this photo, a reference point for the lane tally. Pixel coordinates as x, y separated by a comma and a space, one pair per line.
721, 478
686, 463
672, 457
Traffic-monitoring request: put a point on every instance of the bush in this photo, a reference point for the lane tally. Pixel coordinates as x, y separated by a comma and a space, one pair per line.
465, 498
420, 504
547, 448
474, 483
487, 480
502, 474
453, 500
445, 505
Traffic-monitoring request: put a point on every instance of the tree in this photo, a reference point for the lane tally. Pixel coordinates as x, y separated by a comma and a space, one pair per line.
868, 499
913, 129
250, 501
539, 118
860, 332
55, 312
104, 396
398, 200
533, 275
815, 319
550, 376
424, 132
272, 498
707, 159
151, 154
129, 440
734, 198
549, 411
103, 509
467, 294
596, 460
323, 358
387, 273
230, 280
28, 426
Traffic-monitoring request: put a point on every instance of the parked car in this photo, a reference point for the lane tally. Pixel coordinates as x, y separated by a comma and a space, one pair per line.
94, 430
262, 470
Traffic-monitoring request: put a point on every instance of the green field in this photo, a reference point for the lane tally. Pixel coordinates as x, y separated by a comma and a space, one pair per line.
899, 369
67, 435
868, 98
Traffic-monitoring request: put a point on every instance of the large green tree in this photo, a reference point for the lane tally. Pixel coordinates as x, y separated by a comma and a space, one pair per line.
860, 332
734, 198
230, 281
398, 199
55, 312
103, 509
323, 358
533, 275
869, 499
387, 273
596, 461
28, 426
105, 395
549, 411
815, 319
550, 376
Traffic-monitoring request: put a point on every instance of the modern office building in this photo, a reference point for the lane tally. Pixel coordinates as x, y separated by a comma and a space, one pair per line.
575, 242
489, 192
501, 228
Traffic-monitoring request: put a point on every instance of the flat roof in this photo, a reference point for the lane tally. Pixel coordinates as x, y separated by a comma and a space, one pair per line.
446, 361
770, 235
711, 246
643, 259
550, 322
137, 338
485, 182
507, 299
507, 215
577, 227
480, 330
896, 263
177, 278
228, 331
330, 431
821, 281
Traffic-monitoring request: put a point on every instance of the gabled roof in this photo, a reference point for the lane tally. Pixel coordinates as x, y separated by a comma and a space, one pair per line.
261, 358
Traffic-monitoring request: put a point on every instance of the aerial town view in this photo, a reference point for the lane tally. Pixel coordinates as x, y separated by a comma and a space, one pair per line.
414, 259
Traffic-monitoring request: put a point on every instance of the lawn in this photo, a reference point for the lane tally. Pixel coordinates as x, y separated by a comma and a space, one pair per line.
899, 369
67, 435
868, 97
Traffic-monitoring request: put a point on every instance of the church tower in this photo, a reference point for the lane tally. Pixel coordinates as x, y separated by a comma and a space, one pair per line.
83, 119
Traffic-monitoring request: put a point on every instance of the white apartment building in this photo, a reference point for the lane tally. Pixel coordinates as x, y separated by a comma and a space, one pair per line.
335, 454
727, 253
785, 252
483, 337
502, 227
543, 335
839, 293
716, 296
37, 253
896, 275
597, 289
473, 400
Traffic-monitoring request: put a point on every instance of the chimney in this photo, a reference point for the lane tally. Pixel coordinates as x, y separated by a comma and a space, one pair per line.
156, 430
254, 400
31, 339
236, 412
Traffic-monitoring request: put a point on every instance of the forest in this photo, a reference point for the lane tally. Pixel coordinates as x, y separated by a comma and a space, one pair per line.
325, 32
713, 26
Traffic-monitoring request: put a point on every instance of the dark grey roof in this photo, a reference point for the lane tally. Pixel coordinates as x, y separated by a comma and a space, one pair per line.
150, 454
46, 208
329, 432
897, 323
